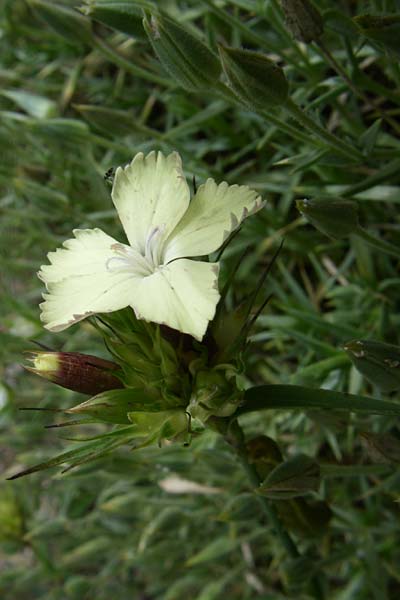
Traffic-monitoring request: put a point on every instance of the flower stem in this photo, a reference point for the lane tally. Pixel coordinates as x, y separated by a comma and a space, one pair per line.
377, 243
235, 438
226, 93
328, 138
270, 509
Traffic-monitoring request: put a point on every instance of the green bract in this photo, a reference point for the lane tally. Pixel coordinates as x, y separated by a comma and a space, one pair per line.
113, 406
214, 393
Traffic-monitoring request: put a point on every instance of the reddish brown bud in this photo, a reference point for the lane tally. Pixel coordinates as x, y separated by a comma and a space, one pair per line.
75, 371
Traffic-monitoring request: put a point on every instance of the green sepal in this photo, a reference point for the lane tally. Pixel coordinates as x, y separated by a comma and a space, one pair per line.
148, 360
114, 406
160, 426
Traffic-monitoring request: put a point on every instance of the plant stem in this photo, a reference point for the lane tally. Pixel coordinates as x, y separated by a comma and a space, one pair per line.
377, 243
270, 509
226, 93
328, 138
235, 438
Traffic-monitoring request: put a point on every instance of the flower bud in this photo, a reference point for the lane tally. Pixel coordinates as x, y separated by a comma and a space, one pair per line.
255, 79
335, 218
65, 21
294, 477
303, 20
113, 406
213, 395
378, 362
123, 15
383, 30
189, 62
75, 371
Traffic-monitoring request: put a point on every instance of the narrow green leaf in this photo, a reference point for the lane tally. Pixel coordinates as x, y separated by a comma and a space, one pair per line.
87, 450
294, 396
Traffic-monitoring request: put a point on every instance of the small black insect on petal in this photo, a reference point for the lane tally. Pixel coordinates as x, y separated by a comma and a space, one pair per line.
109, 175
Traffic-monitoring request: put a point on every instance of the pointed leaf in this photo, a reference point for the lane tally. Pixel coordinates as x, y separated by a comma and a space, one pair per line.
297, 397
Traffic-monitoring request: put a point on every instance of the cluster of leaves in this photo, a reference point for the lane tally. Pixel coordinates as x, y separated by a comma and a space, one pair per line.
85, 91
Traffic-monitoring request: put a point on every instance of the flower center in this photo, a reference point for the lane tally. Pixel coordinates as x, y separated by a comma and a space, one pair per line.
130, 260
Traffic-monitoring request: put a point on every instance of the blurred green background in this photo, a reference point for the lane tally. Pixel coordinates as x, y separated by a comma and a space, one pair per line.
78, 96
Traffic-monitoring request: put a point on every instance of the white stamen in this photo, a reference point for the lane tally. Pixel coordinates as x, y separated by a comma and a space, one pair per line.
153, 245
128, 260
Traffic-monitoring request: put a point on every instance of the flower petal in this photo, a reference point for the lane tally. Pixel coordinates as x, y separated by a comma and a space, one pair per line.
81, 281
150, 195
182, 295
215, 211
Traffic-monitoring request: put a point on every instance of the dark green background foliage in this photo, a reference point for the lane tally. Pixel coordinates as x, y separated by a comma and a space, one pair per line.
71, 107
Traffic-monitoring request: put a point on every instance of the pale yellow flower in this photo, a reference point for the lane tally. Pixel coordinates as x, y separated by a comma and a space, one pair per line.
155, 274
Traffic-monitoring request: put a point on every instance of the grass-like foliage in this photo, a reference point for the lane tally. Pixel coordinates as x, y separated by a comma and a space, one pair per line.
288, 489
